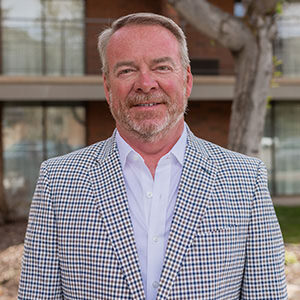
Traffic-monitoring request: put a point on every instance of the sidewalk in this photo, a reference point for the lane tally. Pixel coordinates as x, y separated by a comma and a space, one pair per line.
292, 270
293, 292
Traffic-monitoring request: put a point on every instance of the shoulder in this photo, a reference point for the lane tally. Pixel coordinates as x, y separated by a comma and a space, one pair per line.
237, 174
80, 160
226, 160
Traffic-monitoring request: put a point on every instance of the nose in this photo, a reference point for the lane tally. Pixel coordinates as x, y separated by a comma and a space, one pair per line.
145, 82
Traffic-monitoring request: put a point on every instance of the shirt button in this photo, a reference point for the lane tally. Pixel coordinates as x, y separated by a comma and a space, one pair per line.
155, 284
149, 195
155, 239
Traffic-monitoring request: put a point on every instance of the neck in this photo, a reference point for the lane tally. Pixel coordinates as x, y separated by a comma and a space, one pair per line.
153, 151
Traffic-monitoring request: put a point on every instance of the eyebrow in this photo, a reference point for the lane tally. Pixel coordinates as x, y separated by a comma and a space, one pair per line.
154, 61
122, 64
163, 59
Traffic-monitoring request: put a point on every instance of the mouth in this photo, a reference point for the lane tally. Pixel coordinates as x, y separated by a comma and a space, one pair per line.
146, 104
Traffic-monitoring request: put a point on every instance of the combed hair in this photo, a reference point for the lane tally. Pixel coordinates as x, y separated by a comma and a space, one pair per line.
143, 19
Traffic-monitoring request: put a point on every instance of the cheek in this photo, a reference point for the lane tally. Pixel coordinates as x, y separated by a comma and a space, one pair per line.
173, 86
175, 91
118, 98
120, 91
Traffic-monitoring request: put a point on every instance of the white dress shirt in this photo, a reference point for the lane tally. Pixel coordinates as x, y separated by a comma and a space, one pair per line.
151, 205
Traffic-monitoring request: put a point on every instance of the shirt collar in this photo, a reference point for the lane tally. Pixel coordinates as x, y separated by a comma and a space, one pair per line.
178, 149
124, 149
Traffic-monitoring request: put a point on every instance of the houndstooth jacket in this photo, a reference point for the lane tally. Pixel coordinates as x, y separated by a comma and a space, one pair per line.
225, 242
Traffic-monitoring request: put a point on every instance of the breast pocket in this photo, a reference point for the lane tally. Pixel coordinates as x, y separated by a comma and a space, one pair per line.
221, 244
215, 260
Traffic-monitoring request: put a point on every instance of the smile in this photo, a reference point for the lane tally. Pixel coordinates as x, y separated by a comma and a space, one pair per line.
147, 104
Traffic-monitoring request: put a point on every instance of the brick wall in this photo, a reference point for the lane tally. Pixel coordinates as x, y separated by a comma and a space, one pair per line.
210, 120
110, 10
100, 123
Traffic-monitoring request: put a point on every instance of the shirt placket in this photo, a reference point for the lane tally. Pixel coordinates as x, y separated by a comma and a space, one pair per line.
156, 229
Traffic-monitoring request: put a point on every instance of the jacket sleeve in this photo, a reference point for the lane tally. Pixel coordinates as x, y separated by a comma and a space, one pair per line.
40, 276
264, 276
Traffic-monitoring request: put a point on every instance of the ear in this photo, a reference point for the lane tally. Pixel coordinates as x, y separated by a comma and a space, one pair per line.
106, 87
189, 81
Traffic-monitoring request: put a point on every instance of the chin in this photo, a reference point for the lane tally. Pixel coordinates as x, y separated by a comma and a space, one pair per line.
150, 131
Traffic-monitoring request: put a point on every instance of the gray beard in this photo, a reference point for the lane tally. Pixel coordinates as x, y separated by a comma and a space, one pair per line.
138, 126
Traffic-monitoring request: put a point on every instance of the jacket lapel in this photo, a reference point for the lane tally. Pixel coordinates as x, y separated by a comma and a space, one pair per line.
111, 199
197, 181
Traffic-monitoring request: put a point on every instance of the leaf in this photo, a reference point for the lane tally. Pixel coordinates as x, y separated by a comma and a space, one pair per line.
279, 7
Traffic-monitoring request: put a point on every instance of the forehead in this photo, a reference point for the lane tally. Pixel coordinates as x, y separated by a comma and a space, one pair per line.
133, 41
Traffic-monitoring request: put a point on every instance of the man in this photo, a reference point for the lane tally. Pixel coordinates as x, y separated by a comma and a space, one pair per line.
152, 212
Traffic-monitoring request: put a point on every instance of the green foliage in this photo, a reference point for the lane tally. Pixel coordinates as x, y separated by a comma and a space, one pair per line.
289, 220
212, 43
276, 64
276, 71
279, 7
290, 258
276, 74
269, 99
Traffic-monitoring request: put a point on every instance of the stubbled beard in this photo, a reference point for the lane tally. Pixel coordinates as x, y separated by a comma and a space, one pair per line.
147, 125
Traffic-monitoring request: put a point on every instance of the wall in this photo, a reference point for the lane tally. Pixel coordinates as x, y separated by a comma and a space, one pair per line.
100, 123
210, 120
109, 10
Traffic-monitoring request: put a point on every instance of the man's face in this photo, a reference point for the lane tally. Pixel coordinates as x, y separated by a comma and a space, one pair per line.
146, 87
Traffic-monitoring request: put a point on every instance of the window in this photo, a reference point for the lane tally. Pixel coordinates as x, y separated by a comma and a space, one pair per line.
281, 148
205, 66
42, 37
239, 9
287, 45
31, 134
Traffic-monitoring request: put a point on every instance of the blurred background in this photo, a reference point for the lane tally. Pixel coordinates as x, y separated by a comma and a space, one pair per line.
52, 99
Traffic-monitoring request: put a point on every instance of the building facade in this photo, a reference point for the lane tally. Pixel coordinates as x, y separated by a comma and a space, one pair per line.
52, 97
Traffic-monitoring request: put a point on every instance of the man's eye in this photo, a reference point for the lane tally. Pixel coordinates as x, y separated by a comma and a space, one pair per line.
125, 71
163, 68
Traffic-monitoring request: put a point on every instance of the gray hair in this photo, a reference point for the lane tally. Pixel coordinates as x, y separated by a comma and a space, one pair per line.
143, 19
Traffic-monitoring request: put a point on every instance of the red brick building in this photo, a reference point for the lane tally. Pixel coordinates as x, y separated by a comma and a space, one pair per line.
52, 98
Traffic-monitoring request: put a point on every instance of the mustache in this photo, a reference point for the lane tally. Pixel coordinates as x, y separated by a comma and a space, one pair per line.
154, 97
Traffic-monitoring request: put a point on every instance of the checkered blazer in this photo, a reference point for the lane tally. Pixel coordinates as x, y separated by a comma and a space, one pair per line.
225, 242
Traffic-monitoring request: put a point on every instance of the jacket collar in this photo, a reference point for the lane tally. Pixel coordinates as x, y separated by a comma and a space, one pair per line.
195, 187
111, 200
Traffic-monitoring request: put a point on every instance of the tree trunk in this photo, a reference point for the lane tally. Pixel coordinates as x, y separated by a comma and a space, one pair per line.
254, 68
250, 42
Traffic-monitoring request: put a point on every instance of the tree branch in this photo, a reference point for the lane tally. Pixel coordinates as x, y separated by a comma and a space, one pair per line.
261, 7
215, 23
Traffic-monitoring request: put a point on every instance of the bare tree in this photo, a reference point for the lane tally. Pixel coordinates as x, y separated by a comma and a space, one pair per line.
250, 41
